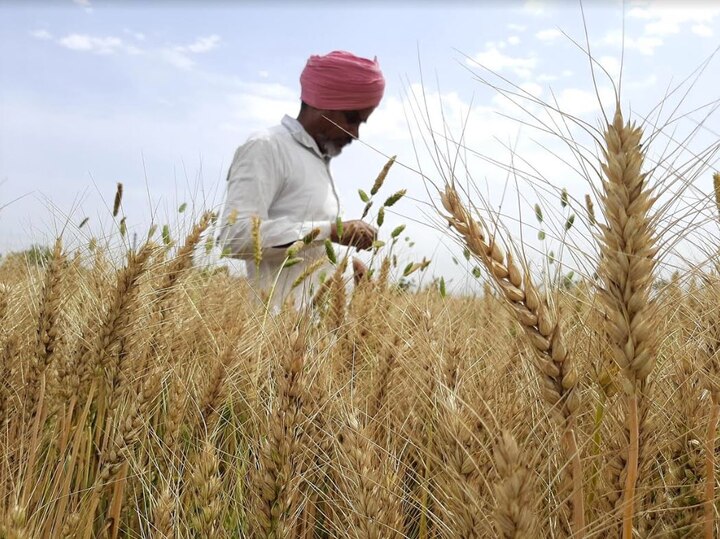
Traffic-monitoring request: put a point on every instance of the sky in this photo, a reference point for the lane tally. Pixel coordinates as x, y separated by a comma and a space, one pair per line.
158, 95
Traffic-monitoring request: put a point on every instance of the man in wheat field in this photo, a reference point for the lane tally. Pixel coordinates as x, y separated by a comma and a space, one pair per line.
279, 186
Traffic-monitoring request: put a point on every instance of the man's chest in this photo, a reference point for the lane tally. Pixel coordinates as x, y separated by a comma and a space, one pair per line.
307, 188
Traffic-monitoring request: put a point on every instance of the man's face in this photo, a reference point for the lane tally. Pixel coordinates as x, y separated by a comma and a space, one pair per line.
339, 128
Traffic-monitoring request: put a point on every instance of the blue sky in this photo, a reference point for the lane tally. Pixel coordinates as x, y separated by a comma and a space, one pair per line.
159, 95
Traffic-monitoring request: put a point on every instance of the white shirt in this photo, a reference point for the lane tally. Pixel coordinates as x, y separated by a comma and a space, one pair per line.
281, 176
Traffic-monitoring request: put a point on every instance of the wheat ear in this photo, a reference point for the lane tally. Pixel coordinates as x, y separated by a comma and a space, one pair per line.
47, 331
367, 485
514, 493
183, 259
111, 346
626, 270
163, 515
278, 476
556, 365
206, 493
459, 440
47, 335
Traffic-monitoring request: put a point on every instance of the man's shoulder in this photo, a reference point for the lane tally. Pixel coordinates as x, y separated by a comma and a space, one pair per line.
264, 135
271, 138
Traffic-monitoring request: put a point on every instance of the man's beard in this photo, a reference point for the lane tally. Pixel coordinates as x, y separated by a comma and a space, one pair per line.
330, 149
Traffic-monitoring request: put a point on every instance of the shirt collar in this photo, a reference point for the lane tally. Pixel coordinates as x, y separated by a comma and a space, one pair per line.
298, 132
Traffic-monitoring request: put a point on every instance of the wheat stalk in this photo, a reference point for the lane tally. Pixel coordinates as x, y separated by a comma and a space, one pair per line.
555, 364
626, 270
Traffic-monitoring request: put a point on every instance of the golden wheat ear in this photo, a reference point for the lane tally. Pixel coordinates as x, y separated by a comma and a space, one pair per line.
543, 329
628, 248
514, 496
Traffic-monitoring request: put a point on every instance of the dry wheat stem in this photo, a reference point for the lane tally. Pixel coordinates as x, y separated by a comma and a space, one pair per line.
709, 502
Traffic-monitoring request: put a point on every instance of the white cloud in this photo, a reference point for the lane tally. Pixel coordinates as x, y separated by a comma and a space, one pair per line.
578, 102
495, 44
177, 59
493, 59
86, 43
548, 35
664, 18
702, 30
41, 34
139, 36
84, 4
516, 27
644, 44
263, 74
271, 90
534, 7
526, 94
259, 105
532, 88
550, 77
179, 56
200, 45
648, 82
575, 101
513, 40
545, 77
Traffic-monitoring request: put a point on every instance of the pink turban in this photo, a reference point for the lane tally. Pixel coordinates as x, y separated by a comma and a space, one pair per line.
341, 81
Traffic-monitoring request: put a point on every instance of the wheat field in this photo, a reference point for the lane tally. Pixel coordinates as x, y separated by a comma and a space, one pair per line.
154, 398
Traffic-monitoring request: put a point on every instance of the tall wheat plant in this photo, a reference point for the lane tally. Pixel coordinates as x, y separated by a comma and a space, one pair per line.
626, 269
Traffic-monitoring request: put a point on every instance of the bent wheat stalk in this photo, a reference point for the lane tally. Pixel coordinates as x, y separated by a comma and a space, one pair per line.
554, 362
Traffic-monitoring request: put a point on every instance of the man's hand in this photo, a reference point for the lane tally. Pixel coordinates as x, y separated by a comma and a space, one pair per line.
355, 233
359, 270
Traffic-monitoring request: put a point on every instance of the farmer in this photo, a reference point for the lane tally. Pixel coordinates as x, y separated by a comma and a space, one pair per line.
279, 186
